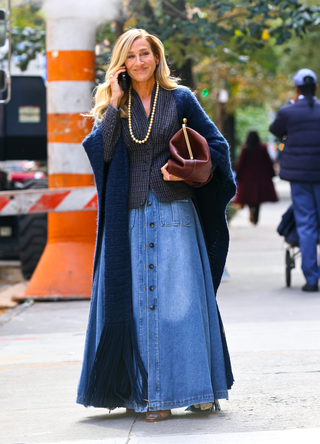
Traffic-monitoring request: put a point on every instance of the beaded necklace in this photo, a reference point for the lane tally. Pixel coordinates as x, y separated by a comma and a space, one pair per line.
151, 118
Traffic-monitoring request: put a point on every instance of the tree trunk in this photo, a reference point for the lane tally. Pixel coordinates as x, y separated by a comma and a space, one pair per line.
119, 27
226, 125
229, 134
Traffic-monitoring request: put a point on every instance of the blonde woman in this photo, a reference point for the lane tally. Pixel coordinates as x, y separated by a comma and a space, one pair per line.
155, 339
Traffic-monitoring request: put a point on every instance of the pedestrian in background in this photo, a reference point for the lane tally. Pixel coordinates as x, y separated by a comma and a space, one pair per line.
254, 173
299, 124
155, 339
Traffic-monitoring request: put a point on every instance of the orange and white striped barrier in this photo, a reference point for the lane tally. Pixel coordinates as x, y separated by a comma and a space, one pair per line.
65, 268
48, 200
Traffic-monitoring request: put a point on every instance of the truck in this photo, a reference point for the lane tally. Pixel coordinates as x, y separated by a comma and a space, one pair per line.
23, 155
23, 165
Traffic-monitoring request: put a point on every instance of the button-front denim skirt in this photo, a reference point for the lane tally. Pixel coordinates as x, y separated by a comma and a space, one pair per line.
174, 308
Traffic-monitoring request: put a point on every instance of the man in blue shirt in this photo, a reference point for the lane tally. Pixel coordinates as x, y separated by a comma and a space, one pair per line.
299, 122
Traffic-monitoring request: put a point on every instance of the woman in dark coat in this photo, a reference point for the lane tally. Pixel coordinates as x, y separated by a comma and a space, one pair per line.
254, 175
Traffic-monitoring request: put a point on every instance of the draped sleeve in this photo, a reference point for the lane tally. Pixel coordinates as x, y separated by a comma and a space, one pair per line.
111, 129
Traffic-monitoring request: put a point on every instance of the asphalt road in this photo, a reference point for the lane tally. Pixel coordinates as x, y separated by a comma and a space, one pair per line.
274, 339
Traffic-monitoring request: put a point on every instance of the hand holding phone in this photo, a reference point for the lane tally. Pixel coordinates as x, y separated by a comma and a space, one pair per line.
117, 84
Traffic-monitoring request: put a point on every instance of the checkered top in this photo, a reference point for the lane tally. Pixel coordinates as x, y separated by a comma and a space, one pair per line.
146, 159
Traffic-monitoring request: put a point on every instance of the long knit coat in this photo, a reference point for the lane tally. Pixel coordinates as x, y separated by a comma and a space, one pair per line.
117, 345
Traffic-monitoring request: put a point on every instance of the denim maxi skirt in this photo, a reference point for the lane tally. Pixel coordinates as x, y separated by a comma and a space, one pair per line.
174, 308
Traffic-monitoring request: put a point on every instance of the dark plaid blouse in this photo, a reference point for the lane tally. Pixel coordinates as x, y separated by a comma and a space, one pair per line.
146, 159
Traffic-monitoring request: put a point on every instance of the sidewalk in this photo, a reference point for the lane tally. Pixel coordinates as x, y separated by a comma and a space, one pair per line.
273, 334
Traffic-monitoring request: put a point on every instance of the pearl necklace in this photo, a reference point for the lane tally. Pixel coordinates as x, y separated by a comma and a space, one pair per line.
151, 118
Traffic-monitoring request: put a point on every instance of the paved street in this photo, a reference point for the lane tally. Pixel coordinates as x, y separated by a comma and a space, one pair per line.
273, 334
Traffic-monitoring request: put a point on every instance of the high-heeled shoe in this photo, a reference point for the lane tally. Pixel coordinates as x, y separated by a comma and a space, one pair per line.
205, 408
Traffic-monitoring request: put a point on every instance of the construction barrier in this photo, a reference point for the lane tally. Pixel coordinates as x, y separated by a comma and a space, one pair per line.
52, 200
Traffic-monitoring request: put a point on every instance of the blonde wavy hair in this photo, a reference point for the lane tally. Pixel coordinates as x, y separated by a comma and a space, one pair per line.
119, 54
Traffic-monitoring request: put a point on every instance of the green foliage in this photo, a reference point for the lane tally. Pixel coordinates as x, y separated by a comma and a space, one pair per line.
105, 38
301, 54
27, 16
28, 34
233, 45
252, 118
193, 31
27, 43
211, 24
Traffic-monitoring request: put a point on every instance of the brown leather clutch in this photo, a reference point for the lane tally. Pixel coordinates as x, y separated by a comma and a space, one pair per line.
191, 159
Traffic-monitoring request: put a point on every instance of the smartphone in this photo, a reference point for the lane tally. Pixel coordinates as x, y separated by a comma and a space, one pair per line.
123, 80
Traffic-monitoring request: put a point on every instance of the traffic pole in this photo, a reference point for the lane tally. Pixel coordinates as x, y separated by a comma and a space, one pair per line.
65, 268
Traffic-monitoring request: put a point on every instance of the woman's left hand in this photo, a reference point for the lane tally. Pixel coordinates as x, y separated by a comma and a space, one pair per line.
167, 176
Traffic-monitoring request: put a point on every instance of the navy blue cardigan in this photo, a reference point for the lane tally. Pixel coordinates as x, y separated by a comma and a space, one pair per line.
117, 347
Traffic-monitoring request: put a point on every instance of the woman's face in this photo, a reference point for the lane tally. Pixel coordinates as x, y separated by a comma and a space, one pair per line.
141, 62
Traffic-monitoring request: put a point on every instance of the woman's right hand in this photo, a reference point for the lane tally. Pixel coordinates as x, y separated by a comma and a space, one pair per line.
116, 90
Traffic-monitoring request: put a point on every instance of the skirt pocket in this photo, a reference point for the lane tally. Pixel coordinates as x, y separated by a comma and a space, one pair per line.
173, 214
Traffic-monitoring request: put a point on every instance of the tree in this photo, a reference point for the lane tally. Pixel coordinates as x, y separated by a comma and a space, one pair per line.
191, 30
232, 46
303, 53
28, 33
198, 28
213, 44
